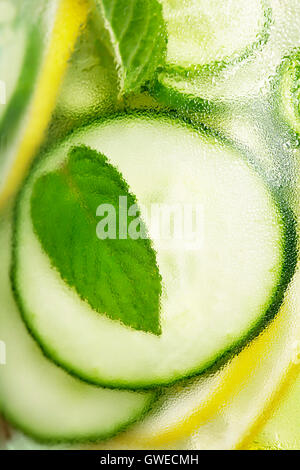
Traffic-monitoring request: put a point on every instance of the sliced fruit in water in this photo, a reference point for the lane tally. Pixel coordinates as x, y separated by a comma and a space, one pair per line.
234, 403
257, 371
249, 245
40, 398
287, 91
21, 53
216, 87
90, 86
186, 407
212, 33
39, 66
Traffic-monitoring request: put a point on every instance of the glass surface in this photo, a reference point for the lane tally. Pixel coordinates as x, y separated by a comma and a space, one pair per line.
174, 324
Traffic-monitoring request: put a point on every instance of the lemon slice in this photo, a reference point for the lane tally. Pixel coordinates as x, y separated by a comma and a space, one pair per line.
69, 16
282, 430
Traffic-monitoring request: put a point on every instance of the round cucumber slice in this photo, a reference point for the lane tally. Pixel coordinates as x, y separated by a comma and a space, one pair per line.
287, 91
256, 381
205, 93
213, 88
212, 34
234, 403
248, 247
40, 398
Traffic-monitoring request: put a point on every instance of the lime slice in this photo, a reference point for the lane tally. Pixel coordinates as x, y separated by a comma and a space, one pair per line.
62, 27
217, 87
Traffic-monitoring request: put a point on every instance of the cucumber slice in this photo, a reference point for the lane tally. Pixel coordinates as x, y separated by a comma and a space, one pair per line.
205, 93
214, 88
204, 37
258, 129
287, 91
266, 369
40, 398
248, 256
249, 388
213, 33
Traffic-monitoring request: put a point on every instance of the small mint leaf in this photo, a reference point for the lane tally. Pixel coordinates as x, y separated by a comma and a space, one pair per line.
138, 36
117, 277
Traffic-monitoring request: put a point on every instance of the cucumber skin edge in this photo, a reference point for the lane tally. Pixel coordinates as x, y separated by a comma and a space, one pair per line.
289, 262
174, 98
92, 438
86, 439
286, 66
217, 66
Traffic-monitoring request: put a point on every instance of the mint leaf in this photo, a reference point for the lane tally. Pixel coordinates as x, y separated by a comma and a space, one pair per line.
117, 277
138, 36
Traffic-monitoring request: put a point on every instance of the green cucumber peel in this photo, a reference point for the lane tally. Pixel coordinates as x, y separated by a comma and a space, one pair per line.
216, 66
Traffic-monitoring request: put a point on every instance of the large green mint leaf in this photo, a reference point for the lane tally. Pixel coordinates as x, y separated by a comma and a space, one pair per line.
138, 36
117, 277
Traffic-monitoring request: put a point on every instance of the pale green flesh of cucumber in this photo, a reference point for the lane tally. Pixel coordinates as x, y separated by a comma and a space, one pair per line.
239, 82
203, 32
214, 297
41, 398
